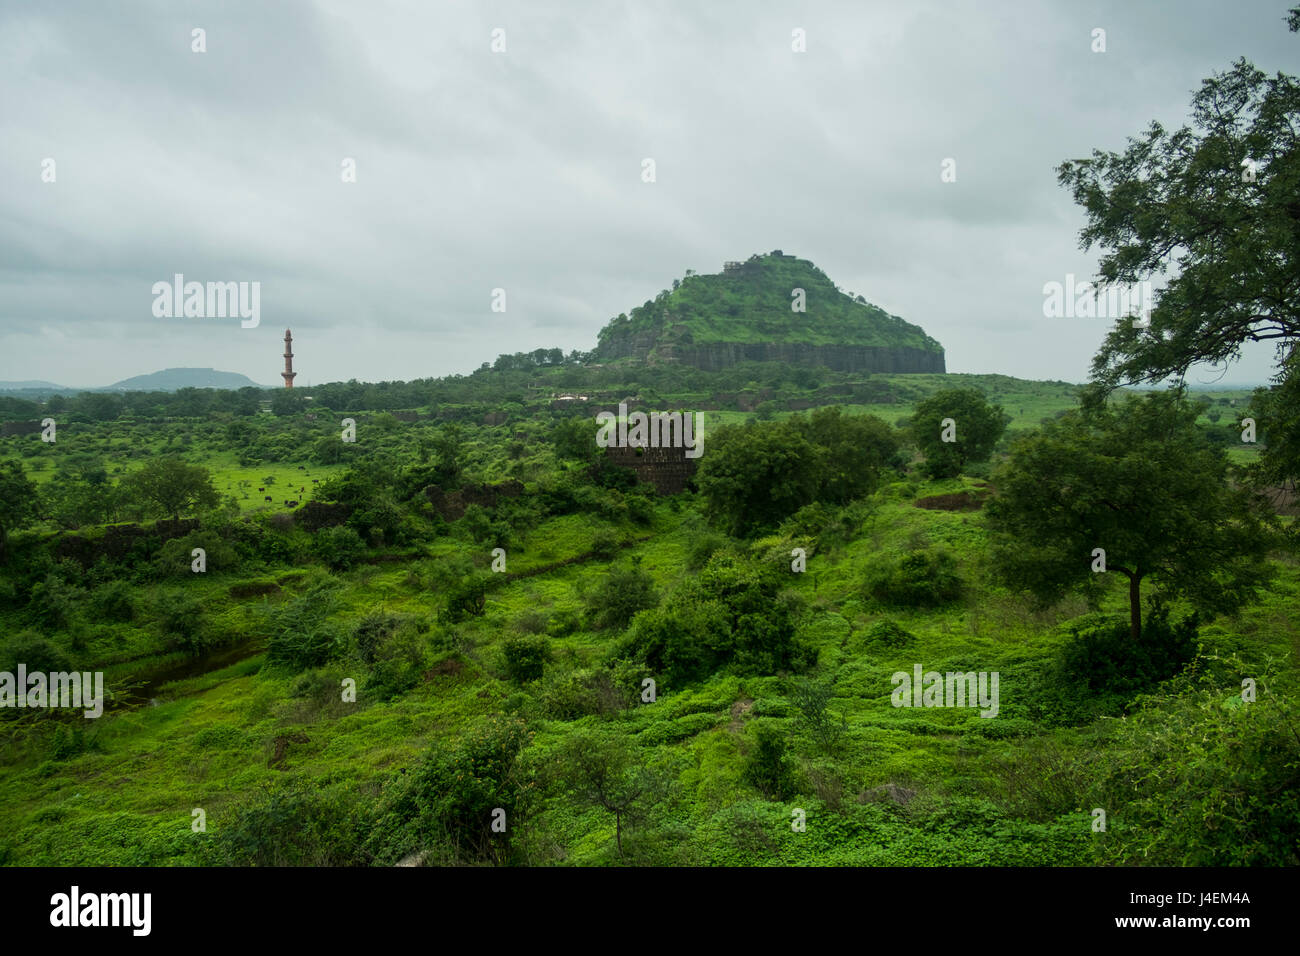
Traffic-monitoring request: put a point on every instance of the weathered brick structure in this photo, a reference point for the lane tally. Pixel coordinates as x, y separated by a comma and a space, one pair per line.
668, 469
452, 504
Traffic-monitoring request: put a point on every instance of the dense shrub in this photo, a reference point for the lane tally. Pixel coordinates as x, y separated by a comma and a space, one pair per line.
1204, 778
466, 598
887, 634
624, 591
767, 768
733, 613
180, 620
1101, 655
303, 632
580, 693
917, 579
814, 717
36, 652
525, 657
297, 824
338, 547
445, 805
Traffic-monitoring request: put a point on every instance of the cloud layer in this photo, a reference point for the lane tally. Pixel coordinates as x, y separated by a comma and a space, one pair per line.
522, 169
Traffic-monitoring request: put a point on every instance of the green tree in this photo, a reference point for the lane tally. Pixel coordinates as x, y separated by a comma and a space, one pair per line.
1141, 482
1276, 412
758, 475
962, 415
19, 502
173, 486
606, 770
1219, 201
857, 449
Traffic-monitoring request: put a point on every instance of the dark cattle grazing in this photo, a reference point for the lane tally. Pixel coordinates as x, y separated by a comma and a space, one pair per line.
268, 497
261, 489
292, 504
315, 481
302, 467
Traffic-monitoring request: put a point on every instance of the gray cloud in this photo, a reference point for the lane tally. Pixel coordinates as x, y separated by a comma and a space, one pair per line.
522, 170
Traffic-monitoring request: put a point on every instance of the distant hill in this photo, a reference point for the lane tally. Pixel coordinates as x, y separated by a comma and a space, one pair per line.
31, 384
171, 379
744, 314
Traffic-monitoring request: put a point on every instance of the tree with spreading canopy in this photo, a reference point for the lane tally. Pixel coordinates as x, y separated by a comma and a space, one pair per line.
173, 486
976, 425
1218, 203
1140, 481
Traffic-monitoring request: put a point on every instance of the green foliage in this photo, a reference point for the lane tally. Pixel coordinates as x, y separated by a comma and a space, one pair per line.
173, 487
1179, 199
526, 657
768, 768
445, 805
755, 476
1276, 412
19, 502
35, 651
733, 613
398, 661
1104, 658
466, 598
370, 633
113, 601
1139, 481
917, 579
338, 547
180, 620
888, 634
624, 591
303, 630
752, 304
1203, 778
814, 717
855, 451
580, 693
604, 769
976, 425
293, 824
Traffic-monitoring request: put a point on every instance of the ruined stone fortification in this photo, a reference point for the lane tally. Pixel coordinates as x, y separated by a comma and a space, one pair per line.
668, 469
644, 347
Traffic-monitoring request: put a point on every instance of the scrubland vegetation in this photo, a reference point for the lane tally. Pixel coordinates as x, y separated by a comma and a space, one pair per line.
523, 690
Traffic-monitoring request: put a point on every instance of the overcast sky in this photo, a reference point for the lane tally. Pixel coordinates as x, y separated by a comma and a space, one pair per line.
522, 169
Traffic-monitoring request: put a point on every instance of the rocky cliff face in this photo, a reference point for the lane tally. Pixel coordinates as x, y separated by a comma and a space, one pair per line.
641, 347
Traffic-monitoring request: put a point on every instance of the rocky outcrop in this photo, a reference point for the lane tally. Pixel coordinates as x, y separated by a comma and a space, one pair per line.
713, 356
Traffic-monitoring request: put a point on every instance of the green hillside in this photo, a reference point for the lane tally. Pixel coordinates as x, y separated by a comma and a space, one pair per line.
750, 302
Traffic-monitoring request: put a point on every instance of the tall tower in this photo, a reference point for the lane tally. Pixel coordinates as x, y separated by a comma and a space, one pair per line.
288, 373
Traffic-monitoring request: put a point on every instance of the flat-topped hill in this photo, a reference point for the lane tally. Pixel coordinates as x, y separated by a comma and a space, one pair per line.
745, 313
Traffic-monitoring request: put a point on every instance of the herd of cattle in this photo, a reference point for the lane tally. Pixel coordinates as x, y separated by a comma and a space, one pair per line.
293, 502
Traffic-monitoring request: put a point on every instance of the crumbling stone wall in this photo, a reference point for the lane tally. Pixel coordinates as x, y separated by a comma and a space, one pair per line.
668, 469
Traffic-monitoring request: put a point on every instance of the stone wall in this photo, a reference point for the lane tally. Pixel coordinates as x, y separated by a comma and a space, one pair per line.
668, 469
713, 356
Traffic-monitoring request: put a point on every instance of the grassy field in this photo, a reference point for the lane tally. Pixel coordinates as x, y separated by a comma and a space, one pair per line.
238, 736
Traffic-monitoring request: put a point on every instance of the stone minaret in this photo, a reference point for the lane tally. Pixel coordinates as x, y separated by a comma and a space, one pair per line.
288, 373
